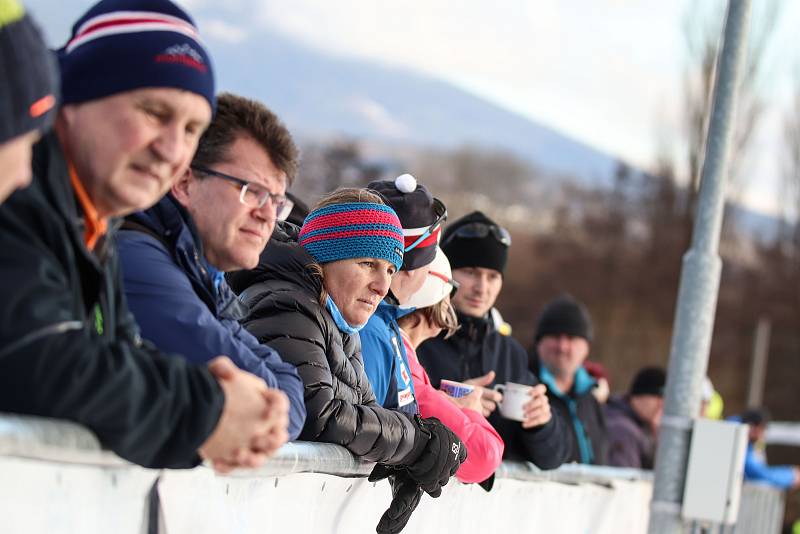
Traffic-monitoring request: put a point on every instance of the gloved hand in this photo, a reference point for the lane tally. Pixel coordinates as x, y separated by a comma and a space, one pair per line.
405, 498
440, 458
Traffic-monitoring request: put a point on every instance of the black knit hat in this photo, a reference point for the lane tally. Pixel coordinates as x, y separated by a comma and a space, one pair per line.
417, 210
564, 315
475, 240
28, 74
756, 416
649, 381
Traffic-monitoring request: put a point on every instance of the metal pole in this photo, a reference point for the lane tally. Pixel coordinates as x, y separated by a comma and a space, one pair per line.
758, 369
699, 285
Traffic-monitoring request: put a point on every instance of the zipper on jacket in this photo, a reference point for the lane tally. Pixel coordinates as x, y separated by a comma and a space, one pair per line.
49, 330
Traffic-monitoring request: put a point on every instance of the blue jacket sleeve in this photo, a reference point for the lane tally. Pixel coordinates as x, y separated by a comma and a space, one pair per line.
377, 355
756, 469
175, 319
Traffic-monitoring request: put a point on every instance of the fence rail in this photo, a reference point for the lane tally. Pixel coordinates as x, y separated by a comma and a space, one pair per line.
57, 479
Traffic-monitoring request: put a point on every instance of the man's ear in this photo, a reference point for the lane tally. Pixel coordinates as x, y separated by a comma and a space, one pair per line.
182, 186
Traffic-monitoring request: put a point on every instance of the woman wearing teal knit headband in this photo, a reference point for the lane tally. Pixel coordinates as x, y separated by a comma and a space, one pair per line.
314, 288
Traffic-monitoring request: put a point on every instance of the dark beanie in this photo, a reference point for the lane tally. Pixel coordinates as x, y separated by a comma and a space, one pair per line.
417, 210
649, 381
122, 45
468, 251
756, 416
28, 74
564, 315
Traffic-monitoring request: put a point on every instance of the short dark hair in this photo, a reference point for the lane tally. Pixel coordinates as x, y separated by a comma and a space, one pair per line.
237, 115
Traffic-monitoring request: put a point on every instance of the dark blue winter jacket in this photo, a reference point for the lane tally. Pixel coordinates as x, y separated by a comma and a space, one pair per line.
184, 305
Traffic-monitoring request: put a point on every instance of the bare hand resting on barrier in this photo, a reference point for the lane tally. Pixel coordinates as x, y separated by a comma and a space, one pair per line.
254, 420
489, 397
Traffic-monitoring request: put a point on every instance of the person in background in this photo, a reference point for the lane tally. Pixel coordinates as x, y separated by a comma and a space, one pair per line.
385, 359
756, 468
633, 420
136, 98
477, 353
711, 403
28, 94
217, 217
598, 371
433, 314
298, 210
314, 289
561, 346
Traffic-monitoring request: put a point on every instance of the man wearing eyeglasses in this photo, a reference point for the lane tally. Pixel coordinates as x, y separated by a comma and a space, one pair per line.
385, 360
216, 218
479, 354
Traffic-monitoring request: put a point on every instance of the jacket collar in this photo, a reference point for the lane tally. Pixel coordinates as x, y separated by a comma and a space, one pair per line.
473, 328
582, 385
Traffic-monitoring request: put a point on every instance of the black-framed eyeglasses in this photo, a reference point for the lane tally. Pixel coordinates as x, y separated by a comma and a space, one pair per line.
441, 215
479, 230
455, 284
252, 194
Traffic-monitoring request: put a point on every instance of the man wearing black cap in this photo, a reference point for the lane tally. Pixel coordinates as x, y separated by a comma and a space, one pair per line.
28, 87
561, 346
385, 359
633, 420
477, 353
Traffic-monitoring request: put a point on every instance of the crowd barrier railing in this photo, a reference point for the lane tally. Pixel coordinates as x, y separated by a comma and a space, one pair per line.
57, 479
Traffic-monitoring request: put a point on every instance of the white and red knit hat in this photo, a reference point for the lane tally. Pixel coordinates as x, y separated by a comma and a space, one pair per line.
121, 45
420, 213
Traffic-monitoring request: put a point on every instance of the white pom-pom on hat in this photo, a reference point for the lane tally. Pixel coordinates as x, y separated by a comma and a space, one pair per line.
405, 183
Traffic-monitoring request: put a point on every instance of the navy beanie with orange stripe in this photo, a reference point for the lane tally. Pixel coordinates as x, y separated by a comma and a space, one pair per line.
122, 45
416, 209
28, 74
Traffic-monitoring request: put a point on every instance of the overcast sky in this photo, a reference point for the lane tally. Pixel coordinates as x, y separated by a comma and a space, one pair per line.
608, 72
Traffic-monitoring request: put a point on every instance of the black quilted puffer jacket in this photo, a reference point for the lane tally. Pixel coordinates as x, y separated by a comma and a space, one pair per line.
283, 295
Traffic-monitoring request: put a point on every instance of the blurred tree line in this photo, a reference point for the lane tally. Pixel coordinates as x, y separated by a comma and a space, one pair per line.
618, 249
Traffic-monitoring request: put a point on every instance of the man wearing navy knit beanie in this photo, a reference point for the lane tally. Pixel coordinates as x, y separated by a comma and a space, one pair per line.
138, 91
28, 90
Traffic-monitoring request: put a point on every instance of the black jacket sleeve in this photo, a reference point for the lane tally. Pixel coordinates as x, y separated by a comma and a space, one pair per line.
60, 357
547, 446
339, 401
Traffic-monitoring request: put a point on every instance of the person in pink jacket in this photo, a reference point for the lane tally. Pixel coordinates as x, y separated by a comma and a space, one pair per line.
432, 314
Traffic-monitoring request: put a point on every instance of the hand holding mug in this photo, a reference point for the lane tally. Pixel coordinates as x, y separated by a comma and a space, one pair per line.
537, 410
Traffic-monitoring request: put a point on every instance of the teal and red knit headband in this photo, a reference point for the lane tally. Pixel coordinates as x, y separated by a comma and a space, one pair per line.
353, 230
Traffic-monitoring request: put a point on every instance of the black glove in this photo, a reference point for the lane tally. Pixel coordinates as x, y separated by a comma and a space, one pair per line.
405, 498
440, 456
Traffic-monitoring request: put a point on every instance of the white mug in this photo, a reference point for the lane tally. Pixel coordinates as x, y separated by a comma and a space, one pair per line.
515, 396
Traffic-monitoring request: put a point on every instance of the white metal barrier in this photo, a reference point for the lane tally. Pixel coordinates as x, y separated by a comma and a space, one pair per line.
55, 479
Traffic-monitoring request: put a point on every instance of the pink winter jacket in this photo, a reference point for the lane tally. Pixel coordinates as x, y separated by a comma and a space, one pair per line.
484, 444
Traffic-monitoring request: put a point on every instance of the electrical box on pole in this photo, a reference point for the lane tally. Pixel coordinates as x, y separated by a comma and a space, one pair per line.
714, 476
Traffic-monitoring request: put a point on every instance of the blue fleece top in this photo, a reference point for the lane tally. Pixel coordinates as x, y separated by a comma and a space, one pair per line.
183, 304
583, 384
385, 359
757, 470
